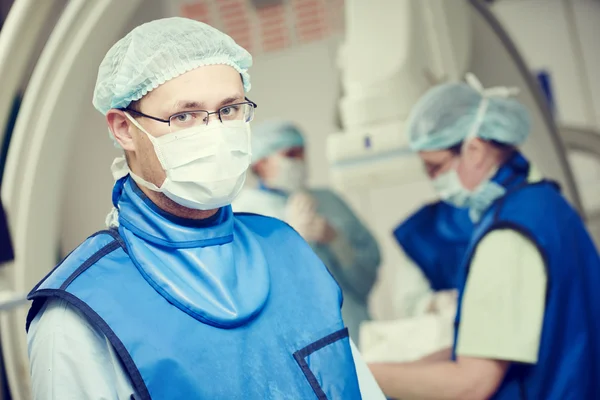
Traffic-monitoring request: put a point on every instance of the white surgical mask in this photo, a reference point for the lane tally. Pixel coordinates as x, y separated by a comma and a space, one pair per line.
205, 166
290, 176
450, 189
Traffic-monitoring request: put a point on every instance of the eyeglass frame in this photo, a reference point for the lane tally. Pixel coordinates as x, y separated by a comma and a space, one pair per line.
168, 121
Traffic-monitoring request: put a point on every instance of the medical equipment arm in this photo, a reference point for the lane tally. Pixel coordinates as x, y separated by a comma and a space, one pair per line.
10, 300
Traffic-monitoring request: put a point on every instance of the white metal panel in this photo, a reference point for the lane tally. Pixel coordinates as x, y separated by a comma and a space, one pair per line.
18, 39
541, 30
448, 30
36, 164
584, 155
587, 32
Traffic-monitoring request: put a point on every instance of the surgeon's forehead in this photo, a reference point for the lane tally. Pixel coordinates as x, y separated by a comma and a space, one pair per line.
205, 88
434, 156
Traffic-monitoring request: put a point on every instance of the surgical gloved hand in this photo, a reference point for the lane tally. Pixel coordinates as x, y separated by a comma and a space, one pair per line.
300, 210
301, 205
444, 302
302, 216
317, 230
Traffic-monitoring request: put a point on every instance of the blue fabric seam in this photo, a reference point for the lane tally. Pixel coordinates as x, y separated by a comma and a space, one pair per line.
115, 234
300, 357
518, 188
98, 322
36, 287
525, 232
97, 256
181, 245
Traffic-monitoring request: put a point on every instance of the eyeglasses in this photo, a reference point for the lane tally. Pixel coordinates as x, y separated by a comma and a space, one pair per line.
189, 119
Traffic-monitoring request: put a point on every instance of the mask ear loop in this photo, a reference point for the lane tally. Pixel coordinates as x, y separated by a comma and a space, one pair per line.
249, 137
152, 139
120, 169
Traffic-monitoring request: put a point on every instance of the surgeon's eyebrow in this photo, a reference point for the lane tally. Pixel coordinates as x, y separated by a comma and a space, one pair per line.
188, 105
232, 100
185, 105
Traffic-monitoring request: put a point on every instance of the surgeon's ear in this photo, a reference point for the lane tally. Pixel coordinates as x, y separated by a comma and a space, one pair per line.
121, 128
477, 151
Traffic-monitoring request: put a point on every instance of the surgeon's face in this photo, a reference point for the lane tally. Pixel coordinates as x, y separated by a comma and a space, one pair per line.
206, 88
472, 162
269, 167
437, 162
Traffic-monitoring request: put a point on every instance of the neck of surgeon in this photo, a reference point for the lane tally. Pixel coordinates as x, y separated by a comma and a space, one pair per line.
479, 160
496, 157
172, 208
161, 200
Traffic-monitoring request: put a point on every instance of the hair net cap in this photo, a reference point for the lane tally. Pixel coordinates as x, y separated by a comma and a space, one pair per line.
450, 113
272, 136
158, 51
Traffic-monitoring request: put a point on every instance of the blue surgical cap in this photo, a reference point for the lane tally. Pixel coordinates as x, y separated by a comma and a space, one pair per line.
272, 136
450, 113
158, 51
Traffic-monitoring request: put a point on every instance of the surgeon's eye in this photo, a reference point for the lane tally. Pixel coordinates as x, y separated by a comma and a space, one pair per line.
230, 112
188, 119
183, 118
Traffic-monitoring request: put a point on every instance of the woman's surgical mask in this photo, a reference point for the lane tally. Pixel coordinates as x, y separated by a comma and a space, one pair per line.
205, 165
289, 176
451, 190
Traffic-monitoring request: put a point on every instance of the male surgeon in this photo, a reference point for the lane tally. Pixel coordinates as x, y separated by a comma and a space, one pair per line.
182, 299
321, 217
527, 323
